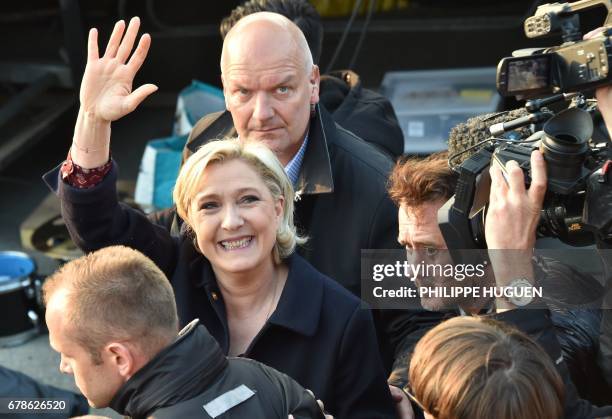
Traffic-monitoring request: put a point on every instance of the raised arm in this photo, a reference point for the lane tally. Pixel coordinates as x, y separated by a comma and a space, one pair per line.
106, 91
89, 204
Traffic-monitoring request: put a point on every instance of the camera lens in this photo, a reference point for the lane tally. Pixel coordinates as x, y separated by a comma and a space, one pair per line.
564, 144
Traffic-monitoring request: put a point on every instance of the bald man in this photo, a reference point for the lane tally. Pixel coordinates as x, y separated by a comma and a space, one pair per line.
366, 113
271, 89
269, 82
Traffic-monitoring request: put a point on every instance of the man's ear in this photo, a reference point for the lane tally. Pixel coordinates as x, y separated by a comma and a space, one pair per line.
315, 80
121, 357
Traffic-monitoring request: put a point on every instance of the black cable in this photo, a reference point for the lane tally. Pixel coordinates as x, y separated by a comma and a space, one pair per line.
347, 29
364, 29
459, 153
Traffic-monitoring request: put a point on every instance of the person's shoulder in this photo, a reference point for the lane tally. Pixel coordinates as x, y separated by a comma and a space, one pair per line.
361, 153
205, 122
210, 127
254, 369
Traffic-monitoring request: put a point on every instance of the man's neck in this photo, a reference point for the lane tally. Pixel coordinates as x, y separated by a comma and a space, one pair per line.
140, 358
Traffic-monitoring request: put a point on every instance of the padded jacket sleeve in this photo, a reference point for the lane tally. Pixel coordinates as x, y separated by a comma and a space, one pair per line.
300, 403
537, 324
96, 219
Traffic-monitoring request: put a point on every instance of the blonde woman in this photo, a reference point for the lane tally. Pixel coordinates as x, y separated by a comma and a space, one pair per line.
234, 268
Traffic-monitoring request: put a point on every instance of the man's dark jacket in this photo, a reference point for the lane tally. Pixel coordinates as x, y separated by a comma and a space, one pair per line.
365, 113
193, 379
564, 288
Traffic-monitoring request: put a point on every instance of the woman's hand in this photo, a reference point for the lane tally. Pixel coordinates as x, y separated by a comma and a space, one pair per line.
106, 90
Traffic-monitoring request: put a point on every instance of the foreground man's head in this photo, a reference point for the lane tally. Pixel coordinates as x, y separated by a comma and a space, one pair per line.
108, 314
477, 368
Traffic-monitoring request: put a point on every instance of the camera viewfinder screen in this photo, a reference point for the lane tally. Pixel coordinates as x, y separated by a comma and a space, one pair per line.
528, 74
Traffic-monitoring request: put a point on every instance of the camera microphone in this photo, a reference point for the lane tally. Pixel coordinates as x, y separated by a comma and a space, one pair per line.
532, 118
476, 130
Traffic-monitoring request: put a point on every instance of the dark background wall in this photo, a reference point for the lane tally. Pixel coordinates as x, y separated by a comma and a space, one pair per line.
186, 42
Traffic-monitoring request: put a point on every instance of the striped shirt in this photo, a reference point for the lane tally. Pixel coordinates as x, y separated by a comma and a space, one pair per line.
293, 167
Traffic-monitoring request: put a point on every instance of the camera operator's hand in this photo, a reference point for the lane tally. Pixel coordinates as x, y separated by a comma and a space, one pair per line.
603, 95
511, 222
514, 211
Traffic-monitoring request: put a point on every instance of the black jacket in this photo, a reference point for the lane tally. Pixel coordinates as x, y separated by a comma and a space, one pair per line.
367, 114
559, 332
192, 378
319, 334
539, 326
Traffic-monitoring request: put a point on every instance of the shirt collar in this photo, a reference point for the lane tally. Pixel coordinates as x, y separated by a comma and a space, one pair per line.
295, 165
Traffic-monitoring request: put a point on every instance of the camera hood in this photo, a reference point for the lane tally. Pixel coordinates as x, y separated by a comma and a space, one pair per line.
565, 144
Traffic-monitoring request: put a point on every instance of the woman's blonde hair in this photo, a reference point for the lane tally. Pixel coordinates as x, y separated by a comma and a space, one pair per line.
477, 368
265, 164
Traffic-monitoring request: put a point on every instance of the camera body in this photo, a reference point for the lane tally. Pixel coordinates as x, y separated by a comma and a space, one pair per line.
577, 167
574, 66
573, 161
571, 68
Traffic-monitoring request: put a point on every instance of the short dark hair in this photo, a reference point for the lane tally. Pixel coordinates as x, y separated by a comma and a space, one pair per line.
300, 12
116, 293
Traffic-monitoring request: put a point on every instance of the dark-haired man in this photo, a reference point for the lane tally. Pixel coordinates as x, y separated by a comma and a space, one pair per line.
420, 187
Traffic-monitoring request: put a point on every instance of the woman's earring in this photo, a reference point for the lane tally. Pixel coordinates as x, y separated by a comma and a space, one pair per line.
312, 109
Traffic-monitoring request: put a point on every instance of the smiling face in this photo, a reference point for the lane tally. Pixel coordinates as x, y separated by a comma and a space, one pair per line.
97, 381
235, 217
269, 83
